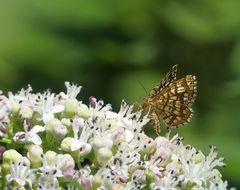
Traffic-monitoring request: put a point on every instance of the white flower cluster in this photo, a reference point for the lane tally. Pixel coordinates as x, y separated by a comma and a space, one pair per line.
53, 141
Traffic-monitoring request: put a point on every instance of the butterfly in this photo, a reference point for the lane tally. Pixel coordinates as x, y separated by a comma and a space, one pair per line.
171, 100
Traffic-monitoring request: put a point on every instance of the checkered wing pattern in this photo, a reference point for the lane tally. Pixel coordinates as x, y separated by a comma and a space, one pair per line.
168, 79
171, 101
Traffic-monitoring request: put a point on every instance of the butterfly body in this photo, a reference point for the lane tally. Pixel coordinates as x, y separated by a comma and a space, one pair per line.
171, 100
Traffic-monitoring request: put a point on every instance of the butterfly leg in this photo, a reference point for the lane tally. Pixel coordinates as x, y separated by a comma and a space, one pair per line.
155, 120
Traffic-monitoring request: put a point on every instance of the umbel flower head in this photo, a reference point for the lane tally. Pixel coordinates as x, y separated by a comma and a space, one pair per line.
54, 141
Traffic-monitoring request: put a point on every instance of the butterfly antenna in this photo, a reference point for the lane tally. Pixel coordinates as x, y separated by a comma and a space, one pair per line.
143, 87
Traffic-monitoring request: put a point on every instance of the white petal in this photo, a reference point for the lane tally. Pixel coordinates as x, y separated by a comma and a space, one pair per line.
36, 140
58, 108
126, 122
47, 117
111, 115
75, 144
63, 95
88, 148
37, 128
129, 135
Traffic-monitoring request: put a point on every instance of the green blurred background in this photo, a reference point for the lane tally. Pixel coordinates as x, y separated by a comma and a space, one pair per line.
110, 47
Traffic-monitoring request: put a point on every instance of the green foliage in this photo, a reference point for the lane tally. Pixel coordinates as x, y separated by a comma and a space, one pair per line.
109, 46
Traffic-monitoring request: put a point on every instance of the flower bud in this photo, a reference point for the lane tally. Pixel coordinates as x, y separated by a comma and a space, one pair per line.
26, 112
83, 111
66, 122
68, 168
34, 154
70, 107
15, 107
66, 144
59, 131
164, 153
100, 142
86, 182
50, 156
118, 136
70, 173
9, 156
2, 150
65, 161
103, 155
51, 124
96, 182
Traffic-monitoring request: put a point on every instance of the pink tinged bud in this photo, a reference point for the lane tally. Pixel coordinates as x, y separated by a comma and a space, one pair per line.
163, 142
92, 101
68, 161
68, 169
70, 173
164, 152
118, 135
3, 130
171, 167
86, 182
2, 149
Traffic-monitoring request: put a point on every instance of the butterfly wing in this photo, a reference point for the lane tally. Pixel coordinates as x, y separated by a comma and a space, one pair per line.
168, 79
173, 104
